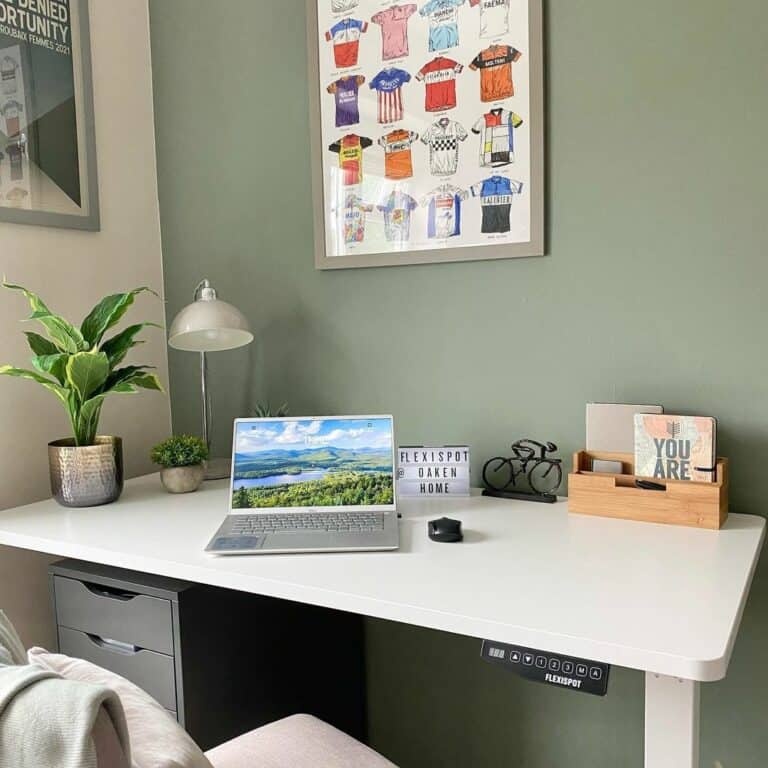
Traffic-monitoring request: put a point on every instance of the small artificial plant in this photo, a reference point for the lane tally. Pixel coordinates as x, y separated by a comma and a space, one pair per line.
264, 410
180, 451
79, 365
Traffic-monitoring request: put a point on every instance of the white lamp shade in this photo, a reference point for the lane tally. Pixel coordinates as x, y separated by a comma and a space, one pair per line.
209, 326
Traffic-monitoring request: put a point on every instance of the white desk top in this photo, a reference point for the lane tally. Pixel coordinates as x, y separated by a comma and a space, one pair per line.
659, 598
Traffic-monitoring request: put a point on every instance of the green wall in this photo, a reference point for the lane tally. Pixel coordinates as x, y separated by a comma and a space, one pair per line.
653, 289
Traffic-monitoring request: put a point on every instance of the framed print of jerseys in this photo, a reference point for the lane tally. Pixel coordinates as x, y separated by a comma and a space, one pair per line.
428, 141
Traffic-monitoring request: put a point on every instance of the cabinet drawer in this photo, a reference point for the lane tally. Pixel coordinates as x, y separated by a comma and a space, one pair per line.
126, 616
151, 671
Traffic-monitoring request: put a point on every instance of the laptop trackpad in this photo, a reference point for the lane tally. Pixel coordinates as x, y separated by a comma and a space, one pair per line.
230, 543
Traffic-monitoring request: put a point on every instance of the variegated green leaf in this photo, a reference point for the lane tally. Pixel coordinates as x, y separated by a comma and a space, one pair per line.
64, 335
88, 419
39, 344
87, 372
118, 346
146, 381
90, 411
35, 302
49, 384
107, 313
55, 364
124, 374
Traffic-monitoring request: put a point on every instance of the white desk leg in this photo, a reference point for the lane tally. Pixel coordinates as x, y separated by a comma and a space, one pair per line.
671, 722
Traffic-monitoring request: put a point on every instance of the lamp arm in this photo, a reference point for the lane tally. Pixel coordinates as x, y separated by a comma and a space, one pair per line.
206, 399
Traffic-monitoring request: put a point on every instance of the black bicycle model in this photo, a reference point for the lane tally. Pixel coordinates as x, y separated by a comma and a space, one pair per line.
529, 459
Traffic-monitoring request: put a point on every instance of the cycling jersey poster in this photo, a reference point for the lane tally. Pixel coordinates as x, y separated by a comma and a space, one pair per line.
47, 149
430, 122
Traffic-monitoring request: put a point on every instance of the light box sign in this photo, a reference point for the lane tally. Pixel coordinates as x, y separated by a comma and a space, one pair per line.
424, 471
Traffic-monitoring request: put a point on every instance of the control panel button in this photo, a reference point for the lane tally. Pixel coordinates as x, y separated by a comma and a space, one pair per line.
581, 670
554, 665
541, 662
567, 667
528, 659
595, 673
514, 657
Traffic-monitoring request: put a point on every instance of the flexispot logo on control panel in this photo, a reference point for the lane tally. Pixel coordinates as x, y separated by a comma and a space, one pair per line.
568, 682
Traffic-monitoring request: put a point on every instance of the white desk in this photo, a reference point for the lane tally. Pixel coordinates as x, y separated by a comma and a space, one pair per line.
666, 600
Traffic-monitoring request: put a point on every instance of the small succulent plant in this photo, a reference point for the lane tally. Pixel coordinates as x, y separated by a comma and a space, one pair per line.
179, 451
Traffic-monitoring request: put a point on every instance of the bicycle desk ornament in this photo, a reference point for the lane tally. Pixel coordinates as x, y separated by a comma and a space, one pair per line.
530, 460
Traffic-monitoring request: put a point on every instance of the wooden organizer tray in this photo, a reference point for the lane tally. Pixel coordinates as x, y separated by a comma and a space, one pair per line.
701, 505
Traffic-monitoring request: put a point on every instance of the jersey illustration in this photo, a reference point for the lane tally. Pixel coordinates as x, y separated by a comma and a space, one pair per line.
389, 84
345, 89
8, 67
11, 111
15, 153
345, 36
397, 153
495, 195
354, 218
497, 138
394, 30
444, 211
342, 6
495, 65
397, 209
350, 150
494, 17
443, 139
439, 76
443, 23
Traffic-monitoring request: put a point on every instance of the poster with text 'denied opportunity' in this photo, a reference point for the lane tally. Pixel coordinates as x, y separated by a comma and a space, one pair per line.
47, 157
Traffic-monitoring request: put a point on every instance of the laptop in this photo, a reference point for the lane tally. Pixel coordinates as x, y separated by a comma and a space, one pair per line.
320, 484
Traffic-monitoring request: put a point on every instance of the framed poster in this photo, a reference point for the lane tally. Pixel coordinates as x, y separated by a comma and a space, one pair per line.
47, 143
427, 130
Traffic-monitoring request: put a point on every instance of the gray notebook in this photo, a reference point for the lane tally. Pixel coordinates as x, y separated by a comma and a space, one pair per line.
611, 426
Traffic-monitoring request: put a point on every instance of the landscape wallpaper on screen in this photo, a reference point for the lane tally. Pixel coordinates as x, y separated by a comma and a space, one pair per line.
313, 463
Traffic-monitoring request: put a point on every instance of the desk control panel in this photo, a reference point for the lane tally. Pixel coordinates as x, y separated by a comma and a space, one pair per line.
579, 675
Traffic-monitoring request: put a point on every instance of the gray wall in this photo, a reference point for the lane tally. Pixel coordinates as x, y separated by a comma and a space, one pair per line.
652, 290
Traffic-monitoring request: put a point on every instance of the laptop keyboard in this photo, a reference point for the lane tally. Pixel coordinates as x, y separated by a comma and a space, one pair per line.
301, 522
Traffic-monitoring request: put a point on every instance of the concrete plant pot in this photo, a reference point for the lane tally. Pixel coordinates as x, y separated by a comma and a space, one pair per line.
182, 479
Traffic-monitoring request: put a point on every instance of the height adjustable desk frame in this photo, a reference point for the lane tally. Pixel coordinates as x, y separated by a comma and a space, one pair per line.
663, 599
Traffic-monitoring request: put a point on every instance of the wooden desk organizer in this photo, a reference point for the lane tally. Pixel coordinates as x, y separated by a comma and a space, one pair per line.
701, 505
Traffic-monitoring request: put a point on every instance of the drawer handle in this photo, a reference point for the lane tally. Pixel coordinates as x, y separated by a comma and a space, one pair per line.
101, 591
115, 646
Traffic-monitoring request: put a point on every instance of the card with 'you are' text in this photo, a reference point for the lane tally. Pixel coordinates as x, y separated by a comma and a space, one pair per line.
675, 447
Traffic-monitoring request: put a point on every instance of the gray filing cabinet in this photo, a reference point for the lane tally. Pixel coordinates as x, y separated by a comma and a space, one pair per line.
221, 662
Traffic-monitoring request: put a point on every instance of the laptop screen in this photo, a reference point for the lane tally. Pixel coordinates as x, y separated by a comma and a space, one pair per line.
324, 462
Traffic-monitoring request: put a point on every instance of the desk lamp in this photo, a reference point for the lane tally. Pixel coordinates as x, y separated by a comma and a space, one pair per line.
209, 325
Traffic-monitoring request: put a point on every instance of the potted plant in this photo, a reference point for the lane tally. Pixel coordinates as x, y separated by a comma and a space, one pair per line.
80, 367
181, 458
265, 411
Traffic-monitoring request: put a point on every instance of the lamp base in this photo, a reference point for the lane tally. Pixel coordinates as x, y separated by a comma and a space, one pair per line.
218, 469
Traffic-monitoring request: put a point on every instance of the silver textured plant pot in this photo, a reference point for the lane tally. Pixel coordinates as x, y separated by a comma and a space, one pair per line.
182, 479
86, 475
